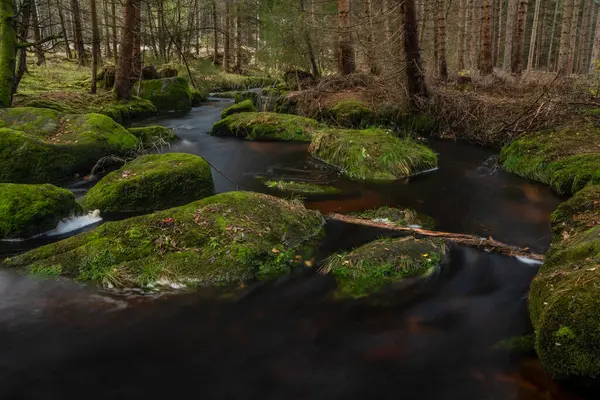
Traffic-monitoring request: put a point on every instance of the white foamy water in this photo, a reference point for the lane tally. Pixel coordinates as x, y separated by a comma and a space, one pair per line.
75, 223
529, 261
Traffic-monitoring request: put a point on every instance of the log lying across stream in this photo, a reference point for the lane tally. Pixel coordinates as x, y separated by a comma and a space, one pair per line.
488, 244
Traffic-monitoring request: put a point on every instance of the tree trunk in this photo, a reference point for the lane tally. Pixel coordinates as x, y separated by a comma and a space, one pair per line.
573, 38
95, 44
414, 67
486, 65
443, 64
150, 19
136, 63
584, 53
371, 56
309, 45
63, 27
238, 39
23, 32
475, 32
79, 45
113, 9
37, 35
106, 33
227, 46
596, 48
346, 62
216, 30
532, 43
519, 39
123, 78
498, 47
563, 51
549, 61
461, 35
8, 51
435, 34
511, 16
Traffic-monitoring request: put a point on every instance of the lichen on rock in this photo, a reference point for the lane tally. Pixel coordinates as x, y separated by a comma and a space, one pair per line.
369, 268
29, 210
152, 182
224, 239
267, 126
372, 154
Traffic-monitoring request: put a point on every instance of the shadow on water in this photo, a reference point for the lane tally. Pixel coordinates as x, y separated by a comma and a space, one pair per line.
428, 339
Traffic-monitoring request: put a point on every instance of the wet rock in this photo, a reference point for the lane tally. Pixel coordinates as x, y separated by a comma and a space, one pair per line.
267, 126
244, 106
44, 146
371, 154
168, 94
225, 239
566, 159
369, 268
29, 210
152, 182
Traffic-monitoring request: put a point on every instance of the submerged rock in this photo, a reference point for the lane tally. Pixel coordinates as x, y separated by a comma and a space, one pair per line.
564, 299
372, 154
29, 210
267, 126
244, 106
302, 187
225, 239
153, 136
368, 268
168, 94
152, 182
566, 159
45, 146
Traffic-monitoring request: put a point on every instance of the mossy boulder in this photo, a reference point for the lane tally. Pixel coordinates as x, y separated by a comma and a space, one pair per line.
152, 182
372, 154
580, 212
127, 111
369, 268
397, 217
153, 136
350, 113
301, 187
45, 146
244, 106
28, 210
566, 159
267, 126
225, 239
247, 95
198, 97
168, 94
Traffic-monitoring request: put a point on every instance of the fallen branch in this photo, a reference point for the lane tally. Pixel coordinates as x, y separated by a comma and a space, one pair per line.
460, 238
39, 42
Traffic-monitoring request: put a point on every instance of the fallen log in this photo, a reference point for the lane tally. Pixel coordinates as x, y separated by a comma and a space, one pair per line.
488, 244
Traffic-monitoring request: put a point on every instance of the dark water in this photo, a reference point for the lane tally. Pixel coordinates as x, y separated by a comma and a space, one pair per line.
426, 339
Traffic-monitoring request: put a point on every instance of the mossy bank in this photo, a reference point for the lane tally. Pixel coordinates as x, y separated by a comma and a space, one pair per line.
152, 182
44, 146
29, 210
267, 126
244, 106
224, 239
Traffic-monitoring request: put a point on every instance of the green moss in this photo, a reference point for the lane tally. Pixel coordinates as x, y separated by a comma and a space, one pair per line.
367, 269
168, 94
153, 136
226, 95
243, 96
266, 126
244, 106
302, 187
48, 104
224, 239
372, 154
53, 147
397, 216
518, 344
580, 212
148, 183
127, 111
350, 113
198, 97
28, 210
565, 159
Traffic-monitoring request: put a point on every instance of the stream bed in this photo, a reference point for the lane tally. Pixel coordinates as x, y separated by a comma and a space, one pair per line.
429, 339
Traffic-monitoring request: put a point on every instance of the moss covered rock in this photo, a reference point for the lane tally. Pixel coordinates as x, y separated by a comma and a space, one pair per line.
125, 112
266, 126
372, 154
302, 187
580, 212
350, 113
45, 146
198, 97
224, 239
152, 182
168, 94
244, 106
397, 217
153, 136
28, 210
367, 269
566, 159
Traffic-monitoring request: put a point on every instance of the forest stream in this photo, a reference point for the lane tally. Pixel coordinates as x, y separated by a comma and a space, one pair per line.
427, 338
